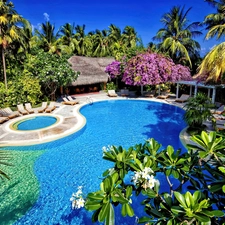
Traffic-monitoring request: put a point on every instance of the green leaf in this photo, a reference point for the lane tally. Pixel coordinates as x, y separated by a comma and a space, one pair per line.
123, 210
110, 217
94, 196
130, 211
215, 188
128, 191
168, 199
189, 199
202, 218
114, 177
119, 197
177, 210
202, 154
104, 212
106, 185
180, 198
144, 219
197, 196
218, 213
175, 174
170, 151
92, 205
223, 188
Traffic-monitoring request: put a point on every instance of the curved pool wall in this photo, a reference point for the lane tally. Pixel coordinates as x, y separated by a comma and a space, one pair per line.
77, 159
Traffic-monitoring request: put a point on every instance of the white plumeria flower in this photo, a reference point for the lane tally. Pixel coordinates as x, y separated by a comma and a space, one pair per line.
104, 149
80, 203
78, 193
151, 182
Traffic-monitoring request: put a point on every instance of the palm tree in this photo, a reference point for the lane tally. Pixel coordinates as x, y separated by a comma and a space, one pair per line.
215, 22
46, 35
212, 68
84, 42
67, 33
114, 34
129, 37
177, 35
101, 43
49, 41
10, 30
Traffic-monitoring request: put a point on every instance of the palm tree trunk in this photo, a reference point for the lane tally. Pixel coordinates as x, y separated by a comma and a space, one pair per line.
4, 69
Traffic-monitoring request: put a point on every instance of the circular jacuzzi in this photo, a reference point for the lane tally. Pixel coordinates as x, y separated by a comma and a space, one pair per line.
36, 122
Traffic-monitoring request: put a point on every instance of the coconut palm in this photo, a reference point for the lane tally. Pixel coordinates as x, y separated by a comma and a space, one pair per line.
212, 68
114, 34
84, 42
101, 43
49, 41
129, 37
10, 30
46, 35
67, 33
177, 35
215, 22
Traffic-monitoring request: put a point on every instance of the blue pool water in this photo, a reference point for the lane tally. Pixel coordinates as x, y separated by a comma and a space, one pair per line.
34, 123
77, 159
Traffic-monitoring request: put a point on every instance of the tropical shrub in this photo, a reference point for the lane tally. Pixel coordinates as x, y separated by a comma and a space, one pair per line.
197, 111
194, 193
52, 70
111, 86
21, 89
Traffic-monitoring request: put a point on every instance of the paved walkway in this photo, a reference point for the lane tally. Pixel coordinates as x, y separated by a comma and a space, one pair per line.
69, 121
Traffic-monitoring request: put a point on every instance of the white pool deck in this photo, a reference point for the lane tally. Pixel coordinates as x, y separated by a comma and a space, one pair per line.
70, 121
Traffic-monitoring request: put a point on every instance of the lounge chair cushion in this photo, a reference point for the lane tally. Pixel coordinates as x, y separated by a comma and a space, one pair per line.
112, 93
183, 98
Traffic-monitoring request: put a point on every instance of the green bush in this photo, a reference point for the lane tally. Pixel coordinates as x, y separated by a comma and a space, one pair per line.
198, 198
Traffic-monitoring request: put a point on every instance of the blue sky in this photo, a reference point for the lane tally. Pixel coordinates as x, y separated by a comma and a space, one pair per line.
143, 15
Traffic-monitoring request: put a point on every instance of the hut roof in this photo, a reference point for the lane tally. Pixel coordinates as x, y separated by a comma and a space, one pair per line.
92, 70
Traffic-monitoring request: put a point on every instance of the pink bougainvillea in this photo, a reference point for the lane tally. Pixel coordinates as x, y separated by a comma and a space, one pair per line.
149, 68
114, 69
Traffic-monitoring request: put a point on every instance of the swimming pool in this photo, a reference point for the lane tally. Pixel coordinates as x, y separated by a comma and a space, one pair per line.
77, 159
34, 123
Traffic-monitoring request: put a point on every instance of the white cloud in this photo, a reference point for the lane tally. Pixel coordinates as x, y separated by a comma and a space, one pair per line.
46, 16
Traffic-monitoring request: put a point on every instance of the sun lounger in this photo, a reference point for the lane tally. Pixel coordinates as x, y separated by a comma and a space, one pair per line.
149, 94
21, 109
124, 92
3, 119
112, 93
7, 112
183, 98
71, 99
42, 108
51, 107
163, 96
67, 102
29, 108
220, 110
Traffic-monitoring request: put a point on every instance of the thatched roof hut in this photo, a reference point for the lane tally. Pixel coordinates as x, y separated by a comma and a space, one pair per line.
92, 70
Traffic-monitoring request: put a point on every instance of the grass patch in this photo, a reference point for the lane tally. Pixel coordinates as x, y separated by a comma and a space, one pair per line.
18, 194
